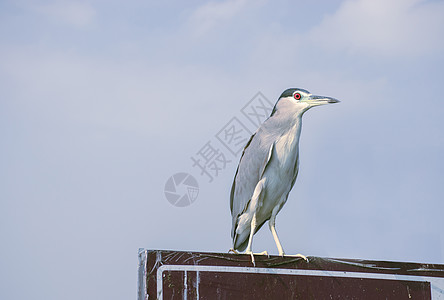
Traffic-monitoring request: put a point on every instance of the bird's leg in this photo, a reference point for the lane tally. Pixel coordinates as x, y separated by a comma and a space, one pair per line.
253, 224
250, 239
272, 226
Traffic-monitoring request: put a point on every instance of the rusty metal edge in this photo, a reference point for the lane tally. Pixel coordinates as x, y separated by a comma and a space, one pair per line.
142, 292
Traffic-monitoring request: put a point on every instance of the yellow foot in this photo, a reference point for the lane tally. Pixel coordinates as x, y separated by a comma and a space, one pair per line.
297, 255
253, 254
233, 251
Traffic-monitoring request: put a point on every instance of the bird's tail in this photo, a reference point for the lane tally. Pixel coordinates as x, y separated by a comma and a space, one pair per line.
240, 239
240, 242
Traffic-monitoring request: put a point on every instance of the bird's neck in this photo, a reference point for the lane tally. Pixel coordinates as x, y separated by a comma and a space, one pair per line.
287, 147
293, 132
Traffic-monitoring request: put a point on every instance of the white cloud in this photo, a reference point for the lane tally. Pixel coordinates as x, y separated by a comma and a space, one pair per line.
207, 16
73, 13
385, 28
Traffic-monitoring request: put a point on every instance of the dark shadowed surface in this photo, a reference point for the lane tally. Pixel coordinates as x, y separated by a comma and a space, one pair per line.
271, 286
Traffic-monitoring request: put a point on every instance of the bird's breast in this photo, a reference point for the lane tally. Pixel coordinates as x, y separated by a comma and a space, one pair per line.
287, 151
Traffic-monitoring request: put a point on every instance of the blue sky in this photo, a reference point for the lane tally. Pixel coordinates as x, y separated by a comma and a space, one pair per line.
102, 101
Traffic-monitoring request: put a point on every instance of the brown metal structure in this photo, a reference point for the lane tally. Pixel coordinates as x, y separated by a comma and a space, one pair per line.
197, 275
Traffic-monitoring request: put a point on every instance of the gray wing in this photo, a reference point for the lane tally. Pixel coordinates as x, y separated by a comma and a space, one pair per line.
254, 158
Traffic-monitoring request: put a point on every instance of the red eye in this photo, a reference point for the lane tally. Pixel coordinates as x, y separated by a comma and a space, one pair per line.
297, 96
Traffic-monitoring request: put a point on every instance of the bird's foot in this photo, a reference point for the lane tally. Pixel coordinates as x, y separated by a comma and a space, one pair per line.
233, 251
295, 255
253, 254
263, 253
252, 257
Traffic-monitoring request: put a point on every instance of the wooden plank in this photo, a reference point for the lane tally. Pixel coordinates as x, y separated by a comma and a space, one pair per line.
197, 275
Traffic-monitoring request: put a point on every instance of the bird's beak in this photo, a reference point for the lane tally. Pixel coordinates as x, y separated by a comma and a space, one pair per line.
314, 100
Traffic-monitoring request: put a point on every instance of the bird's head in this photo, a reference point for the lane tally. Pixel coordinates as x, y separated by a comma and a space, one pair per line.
295, 100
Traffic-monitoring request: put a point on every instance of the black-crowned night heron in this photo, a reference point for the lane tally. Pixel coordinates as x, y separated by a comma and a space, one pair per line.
268, 169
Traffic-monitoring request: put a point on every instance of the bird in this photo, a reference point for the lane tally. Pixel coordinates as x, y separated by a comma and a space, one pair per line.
268, 168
